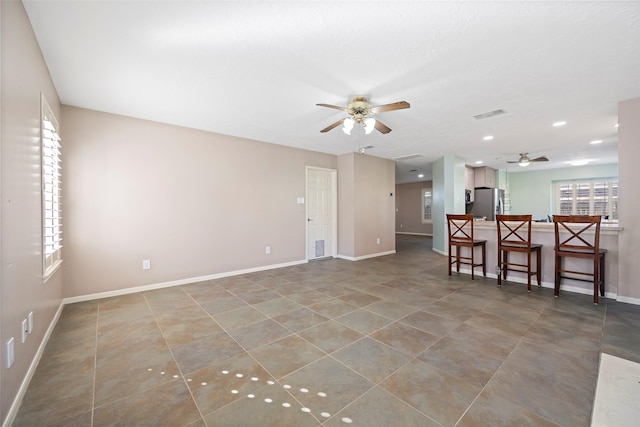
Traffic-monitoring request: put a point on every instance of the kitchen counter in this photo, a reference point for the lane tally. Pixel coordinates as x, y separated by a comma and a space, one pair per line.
544, 233
605, 227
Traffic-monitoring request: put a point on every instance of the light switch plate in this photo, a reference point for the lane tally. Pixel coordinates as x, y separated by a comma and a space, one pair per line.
10, 352
30, 322
25, 330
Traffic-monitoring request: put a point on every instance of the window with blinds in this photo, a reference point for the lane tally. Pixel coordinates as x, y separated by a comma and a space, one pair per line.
51, 191
587, 197
427, 200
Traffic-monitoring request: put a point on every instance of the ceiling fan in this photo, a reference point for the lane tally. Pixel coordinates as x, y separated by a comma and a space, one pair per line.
524, 160
360, 111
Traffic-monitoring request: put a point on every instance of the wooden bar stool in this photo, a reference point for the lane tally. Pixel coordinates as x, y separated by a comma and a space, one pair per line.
578, 236
514, 235
461, 236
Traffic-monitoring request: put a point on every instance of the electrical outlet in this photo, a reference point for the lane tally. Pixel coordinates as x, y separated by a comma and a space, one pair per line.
146, 264
10, 352
30, 321
25, 330
378, 241
267, 250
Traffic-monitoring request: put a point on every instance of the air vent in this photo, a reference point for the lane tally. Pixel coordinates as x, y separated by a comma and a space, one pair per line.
489, 114
408, 157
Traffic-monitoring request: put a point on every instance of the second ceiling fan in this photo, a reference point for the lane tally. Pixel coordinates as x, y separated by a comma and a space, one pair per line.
524, 160
360, 111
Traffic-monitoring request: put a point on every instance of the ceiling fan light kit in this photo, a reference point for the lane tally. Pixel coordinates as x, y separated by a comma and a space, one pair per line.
360, 111
347, 125
368, 124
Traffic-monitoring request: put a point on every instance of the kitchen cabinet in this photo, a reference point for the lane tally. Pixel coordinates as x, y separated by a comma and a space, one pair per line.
484, 177
469, 178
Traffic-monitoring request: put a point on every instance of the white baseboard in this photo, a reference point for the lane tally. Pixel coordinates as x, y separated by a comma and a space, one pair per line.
414, 234
349, 258
438, 251
13, 410
629, 300
563, 287
180, 282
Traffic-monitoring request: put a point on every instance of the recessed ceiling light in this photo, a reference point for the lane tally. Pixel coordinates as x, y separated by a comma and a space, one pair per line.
579, 162
616, 125
479, 162
421, 176
488, 138
596, 141
558, 124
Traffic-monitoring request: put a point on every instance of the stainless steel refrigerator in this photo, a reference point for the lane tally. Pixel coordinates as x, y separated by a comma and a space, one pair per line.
487, 203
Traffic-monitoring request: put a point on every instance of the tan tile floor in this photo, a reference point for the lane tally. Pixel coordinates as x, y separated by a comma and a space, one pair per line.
389, 341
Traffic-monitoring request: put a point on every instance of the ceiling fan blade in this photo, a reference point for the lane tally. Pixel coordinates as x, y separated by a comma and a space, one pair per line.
335, 107
540, 159
513, 161
331, 126
401, 105
381, 127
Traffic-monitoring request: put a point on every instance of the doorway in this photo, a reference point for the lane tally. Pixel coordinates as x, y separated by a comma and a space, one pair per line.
322, 213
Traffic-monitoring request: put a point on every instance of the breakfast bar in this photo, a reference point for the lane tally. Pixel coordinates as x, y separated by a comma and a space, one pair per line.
543, 233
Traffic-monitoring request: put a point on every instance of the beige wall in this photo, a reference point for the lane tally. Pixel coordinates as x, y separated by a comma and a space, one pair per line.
409, 208
346, 207
366, 206
375, 205
194, 203
629, 209
24, 77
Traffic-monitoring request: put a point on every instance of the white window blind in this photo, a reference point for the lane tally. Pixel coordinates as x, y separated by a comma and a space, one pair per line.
427, 199
51, 191
587, 197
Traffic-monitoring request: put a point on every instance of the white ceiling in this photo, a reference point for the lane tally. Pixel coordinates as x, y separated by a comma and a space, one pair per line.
257, 69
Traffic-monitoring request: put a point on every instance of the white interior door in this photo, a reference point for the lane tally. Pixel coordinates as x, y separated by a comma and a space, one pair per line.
321, 213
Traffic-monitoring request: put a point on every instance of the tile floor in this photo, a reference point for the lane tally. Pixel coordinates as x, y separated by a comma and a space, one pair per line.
389, 341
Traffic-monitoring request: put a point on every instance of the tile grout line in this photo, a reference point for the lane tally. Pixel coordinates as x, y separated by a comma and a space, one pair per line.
95, 365
248, 353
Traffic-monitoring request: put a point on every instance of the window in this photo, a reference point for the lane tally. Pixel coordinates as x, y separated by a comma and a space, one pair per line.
427, 199
587, 197
51, 197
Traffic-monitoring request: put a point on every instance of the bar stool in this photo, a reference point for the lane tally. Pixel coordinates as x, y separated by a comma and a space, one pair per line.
578, 236
514, 235
461, 236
